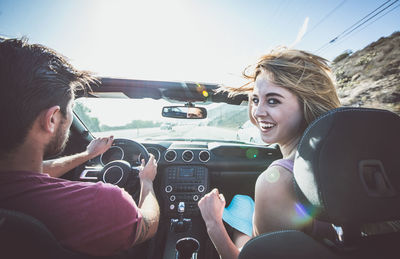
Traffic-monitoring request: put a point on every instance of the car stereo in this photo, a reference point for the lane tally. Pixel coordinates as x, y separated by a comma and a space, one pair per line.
184, 184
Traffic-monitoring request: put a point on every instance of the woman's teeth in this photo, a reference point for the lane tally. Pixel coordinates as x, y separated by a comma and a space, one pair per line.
266, 125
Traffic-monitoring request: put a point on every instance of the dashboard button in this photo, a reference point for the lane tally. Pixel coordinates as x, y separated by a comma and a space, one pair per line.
201, 188
168, 188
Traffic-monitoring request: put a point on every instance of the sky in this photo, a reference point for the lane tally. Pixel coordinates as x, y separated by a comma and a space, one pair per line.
187, 40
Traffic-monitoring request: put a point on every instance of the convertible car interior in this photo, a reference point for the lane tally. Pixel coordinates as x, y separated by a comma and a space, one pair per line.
346, 171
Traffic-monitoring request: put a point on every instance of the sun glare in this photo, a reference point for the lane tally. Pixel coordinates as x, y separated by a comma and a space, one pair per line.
116, 112
157, 40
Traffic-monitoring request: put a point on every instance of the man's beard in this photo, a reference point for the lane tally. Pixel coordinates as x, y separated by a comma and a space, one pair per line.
57, 143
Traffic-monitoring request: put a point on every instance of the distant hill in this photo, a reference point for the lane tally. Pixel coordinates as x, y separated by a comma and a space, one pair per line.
370, 77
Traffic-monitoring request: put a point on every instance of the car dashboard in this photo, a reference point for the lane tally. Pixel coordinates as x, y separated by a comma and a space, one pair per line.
187, 170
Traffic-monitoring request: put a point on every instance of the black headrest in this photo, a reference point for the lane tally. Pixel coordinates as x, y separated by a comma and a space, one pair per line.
347, 166
22, 236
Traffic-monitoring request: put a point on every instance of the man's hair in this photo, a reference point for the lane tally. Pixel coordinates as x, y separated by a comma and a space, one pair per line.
306, 75
32, 78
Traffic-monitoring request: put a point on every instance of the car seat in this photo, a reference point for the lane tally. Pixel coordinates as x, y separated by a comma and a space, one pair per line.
22, 236
347, 172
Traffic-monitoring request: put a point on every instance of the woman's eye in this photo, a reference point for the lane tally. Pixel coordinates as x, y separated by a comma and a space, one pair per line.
273, 101
254, 100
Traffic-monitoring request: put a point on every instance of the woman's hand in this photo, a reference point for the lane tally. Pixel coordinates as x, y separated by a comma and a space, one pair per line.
212, 206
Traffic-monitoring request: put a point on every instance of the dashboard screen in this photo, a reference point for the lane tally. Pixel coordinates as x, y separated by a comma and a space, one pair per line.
186, 172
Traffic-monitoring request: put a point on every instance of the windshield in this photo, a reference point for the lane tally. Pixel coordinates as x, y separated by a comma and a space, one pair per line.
141, 119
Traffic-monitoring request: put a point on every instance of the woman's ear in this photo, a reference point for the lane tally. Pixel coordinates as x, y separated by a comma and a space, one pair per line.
50, 118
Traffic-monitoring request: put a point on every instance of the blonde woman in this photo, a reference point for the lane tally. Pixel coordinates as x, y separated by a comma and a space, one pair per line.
287, 90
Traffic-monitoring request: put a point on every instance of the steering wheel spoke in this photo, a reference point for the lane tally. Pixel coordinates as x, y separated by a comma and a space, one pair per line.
136, 169
121, 173
90, 173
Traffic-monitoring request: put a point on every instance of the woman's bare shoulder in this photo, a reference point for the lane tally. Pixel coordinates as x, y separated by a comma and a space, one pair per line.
275, 174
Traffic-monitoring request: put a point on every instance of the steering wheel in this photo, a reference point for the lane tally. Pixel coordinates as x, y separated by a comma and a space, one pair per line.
121, 173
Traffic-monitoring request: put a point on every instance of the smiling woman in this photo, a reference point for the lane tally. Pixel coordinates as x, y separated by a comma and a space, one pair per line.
276, 110
287, 89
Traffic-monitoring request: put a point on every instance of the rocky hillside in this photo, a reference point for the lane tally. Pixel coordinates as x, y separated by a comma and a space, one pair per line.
370, 77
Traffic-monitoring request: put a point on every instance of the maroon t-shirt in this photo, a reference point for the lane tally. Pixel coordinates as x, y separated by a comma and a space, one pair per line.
92, 218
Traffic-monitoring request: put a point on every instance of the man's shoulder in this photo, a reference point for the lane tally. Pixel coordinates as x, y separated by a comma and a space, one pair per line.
112, 193
102, 188
100, 192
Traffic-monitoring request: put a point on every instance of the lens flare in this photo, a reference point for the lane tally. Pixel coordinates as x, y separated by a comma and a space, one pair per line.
273, 176
251, 153
202, 90
301, 217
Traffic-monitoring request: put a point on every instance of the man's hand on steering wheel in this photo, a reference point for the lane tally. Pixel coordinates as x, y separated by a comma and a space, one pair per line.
148, 171
98, 146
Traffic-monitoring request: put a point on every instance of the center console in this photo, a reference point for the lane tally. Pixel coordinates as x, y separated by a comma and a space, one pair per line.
182, 187
184, 184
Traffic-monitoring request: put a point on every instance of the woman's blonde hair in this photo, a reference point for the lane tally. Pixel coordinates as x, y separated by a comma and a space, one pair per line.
306, 75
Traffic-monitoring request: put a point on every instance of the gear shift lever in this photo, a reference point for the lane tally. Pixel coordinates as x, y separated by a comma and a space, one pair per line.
180, 225
181, 208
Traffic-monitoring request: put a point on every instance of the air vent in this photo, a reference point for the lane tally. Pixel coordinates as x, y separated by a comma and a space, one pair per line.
170, 155
204, 156
187, 155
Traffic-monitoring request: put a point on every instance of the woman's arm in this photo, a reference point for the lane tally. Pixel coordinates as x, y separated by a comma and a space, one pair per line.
276, 205
211, 207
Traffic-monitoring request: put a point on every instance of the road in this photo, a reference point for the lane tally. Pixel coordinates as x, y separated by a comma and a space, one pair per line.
185, 131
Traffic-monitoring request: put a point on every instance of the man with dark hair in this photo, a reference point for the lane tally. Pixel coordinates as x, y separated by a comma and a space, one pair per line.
37, 88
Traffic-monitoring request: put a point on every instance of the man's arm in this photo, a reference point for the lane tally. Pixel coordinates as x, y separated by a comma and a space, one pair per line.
59, 166
148, 204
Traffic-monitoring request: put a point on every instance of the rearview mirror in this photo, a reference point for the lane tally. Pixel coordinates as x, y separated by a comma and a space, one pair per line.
184, 112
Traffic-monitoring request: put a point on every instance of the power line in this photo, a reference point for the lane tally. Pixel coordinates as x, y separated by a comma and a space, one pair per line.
356, 25
370, 18
282, 4
333, 40
347, 35
343, 39
325, 17
380, 16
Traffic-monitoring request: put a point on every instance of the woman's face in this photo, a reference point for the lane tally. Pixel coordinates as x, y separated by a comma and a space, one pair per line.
276, 110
